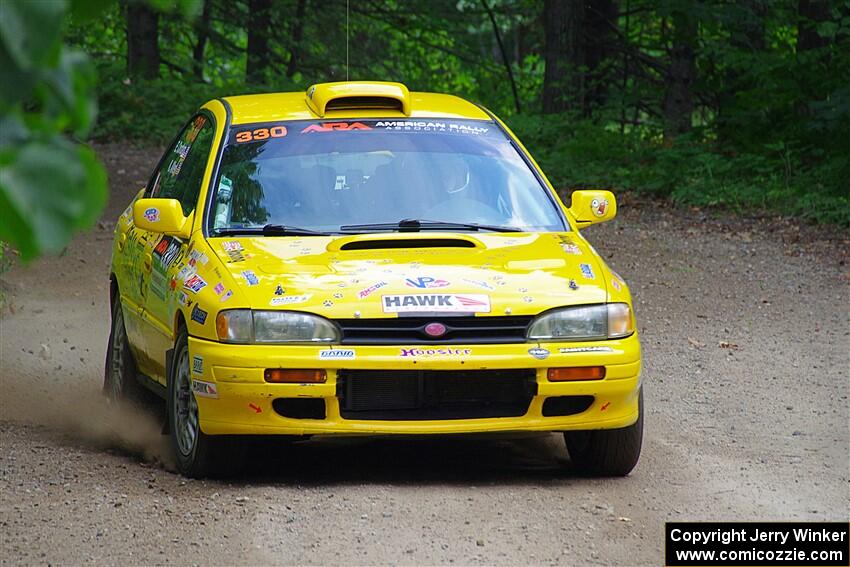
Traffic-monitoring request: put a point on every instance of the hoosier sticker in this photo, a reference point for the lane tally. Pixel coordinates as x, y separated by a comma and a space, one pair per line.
435, 351
436, 302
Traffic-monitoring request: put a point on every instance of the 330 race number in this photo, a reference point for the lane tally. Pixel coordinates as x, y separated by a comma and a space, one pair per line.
260, 134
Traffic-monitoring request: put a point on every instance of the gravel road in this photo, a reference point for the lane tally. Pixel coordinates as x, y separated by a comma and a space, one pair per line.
746, 333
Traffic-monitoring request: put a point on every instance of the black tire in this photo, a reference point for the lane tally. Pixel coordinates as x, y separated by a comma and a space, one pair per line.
607, 452
197, 455
120, 382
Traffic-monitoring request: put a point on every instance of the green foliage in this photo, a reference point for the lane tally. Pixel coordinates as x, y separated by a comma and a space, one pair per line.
49, 186
771, 110
581, 154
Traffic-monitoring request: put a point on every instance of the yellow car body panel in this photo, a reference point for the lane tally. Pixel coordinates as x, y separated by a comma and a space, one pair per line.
245, 400
165, 281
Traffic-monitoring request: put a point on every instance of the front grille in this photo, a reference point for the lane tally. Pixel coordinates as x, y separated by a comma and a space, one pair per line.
434, 394
411, 330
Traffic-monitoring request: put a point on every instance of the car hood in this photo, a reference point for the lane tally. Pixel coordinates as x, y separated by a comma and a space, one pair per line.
375, 275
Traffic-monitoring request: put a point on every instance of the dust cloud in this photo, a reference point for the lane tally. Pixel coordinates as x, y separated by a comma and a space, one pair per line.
81, 413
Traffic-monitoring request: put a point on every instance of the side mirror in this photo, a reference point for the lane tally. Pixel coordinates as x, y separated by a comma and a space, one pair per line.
162, 215
592, 206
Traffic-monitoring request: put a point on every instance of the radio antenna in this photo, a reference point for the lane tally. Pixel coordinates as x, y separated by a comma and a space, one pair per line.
346, 39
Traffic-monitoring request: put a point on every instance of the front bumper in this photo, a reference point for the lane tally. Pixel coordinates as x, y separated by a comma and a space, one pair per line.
244, 400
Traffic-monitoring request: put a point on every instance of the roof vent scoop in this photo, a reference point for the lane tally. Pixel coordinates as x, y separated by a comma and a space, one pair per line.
365, 95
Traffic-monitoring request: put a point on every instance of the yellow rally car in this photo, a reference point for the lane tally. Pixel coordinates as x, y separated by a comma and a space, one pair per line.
362, 259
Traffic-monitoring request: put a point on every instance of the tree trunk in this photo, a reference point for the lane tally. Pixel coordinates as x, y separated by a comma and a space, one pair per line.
810, 13
203, 32
486, 5
813, 60
142, 42
564, 55
297, 34
259, 13
599, 38
678, 105
746, 35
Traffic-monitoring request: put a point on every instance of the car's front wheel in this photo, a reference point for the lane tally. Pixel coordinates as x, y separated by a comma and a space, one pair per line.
197, 455
607, 452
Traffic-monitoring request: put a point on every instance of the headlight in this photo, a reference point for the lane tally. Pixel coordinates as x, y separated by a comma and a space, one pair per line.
587, 322
246, 326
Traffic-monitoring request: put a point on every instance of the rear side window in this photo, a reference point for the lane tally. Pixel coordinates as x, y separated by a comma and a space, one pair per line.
182, 169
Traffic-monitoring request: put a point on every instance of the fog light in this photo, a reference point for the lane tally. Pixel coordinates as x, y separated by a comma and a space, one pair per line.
577, 373
289, 376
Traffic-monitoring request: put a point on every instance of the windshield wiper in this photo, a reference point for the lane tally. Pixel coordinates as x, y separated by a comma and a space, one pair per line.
416, 225
270, 230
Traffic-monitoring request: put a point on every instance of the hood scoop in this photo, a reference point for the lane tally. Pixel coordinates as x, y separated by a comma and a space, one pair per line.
397, 241
407, 243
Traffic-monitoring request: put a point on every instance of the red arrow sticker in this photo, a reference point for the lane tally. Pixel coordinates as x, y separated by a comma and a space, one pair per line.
256, 408
605, 406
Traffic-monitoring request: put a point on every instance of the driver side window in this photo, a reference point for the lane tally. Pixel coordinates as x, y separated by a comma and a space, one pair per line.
182, 168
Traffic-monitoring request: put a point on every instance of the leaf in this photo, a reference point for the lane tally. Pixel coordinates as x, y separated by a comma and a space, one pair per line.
72, 84
48, 190
86, 10
827, 29
29, 31
189, 8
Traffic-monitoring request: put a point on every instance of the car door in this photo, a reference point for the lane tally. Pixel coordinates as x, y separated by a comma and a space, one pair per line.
179, 176
128, 263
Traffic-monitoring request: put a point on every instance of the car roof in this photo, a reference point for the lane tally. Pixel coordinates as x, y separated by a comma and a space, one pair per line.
354, 99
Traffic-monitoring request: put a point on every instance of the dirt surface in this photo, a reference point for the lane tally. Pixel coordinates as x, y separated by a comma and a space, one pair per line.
745, 331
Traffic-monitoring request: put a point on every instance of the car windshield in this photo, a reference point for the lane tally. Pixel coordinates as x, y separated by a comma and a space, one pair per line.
320, 176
